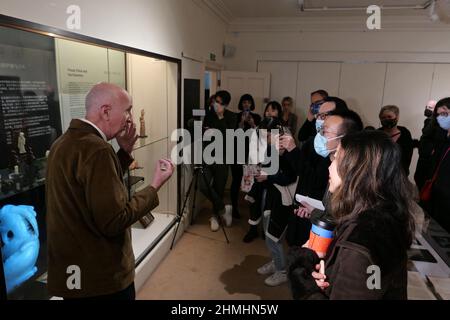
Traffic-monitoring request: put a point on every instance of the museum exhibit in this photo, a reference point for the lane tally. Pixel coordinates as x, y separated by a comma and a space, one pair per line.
212, 150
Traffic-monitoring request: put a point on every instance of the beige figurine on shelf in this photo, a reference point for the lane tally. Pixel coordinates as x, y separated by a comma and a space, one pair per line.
142, 128
21, 143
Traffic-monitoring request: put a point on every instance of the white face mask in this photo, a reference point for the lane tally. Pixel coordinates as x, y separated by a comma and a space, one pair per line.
321, 142
319, 124
217, 106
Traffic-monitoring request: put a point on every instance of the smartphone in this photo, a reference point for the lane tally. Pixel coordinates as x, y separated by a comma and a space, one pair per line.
315, 107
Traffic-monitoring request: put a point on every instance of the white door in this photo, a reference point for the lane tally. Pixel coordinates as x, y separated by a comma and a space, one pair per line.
238, 83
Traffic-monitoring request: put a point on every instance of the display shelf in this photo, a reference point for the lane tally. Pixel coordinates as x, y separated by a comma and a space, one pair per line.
144, 142
143, 239
10, 194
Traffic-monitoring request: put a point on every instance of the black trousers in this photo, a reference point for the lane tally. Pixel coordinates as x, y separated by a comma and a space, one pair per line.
212, 185
128, 293
237, 171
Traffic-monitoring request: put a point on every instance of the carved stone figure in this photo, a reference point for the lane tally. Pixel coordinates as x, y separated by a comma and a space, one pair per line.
142, 128
21, 141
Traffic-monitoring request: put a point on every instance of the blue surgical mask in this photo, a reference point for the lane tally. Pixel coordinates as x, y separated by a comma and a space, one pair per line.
444, 122
319, 124
320, 145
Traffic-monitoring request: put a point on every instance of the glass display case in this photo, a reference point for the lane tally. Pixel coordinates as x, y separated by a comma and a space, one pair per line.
45, 75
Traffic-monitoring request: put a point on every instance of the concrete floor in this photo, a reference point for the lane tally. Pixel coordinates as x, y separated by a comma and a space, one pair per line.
202, 266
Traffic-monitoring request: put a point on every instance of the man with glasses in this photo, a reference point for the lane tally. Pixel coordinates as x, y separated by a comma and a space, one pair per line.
311, 162
308, 128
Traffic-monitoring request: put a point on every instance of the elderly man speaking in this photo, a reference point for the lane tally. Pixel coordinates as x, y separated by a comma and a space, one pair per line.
89, 214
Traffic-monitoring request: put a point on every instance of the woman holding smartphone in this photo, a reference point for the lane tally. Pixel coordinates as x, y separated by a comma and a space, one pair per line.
371, 203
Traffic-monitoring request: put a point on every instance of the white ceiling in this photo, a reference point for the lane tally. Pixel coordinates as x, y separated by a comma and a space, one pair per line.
238, 9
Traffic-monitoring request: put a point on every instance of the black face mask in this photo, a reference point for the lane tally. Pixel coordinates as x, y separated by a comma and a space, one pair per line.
428, 113
389, 123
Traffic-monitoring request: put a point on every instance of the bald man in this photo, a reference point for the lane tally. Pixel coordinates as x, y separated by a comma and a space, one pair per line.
89, 214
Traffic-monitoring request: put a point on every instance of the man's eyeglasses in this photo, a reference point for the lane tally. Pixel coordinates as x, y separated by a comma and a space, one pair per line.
323, 132
322, 115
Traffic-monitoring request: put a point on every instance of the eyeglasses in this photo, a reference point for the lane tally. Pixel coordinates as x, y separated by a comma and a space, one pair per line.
317, 103
323, 132
322, 116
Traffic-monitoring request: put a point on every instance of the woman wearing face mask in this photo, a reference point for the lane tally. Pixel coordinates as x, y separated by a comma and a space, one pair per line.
438, 206
272, 115
433, 137
247, 120
389, 116
371, 203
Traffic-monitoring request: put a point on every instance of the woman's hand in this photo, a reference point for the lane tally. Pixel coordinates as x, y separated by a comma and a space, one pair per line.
320, 276
304, 211
287, 142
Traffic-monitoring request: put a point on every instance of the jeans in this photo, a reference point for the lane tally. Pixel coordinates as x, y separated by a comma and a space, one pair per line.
275, 247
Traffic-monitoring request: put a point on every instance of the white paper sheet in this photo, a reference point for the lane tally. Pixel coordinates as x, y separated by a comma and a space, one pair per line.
313, 202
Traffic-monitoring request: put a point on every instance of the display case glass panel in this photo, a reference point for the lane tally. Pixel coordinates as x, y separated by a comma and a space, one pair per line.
44, 79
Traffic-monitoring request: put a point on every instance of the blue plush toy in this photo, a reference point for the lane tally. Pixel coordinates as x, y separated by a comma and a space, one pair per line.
20, 244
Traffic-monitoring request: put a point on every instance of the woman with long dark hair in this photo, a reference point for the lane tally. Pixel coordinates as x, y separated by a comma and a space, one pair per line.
371, 204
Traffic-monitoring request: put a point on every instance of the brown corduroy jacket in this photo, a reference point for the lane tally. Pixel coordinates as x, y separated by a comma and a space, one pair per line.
89, 215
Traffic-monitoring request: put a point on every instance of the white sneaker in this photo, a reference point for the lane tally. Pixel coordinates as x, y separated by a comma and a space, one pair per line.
276, 279
228, 215
266, 269
214, 224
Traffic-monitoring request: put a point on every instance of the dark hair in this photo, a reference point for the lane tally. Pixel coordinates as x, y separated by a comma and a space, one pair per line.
246, 97
320, 92
274, 105
373, 178
341, 105
369, 128
352, 121
441, 103
225, 96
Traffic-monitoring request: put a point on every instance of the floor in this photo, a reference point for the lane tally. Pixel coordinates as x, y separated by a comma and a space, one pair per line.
202, 266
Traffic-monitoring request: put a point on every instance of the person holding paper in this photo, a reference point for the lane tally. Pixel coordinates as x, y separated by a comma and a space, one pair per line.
311, 164
372, 204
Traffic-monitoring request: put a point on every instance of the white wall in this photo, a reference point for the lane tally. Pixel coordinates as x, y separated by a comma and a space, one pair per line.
167, 27
404, 64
